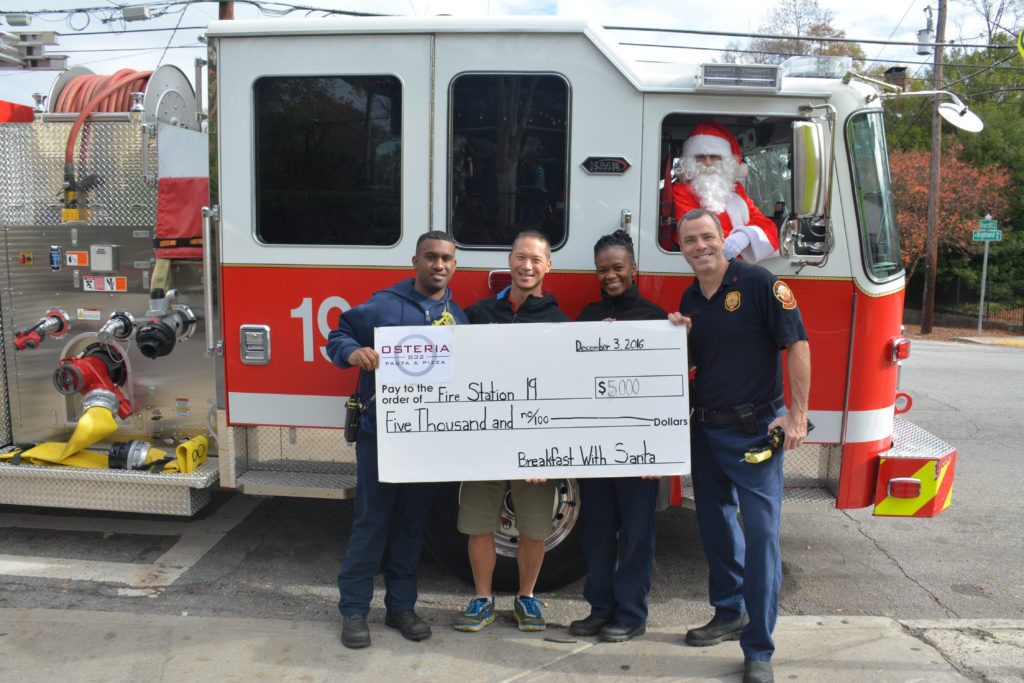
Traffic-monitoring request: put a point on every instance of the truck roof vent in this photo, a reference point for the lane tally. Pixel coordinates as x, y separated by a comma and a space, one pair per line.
732, 77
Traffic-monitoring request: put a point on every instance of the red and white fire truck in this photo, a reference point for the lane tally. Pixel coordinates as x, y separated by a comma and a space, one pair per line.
182, 271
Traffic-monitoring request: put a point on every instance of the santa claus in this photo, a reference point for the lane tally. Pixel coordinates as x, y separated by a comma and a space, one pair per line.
711, 167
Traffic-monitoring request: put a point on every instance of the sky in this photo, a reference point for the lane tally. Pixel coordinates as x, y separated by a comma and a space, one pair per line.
106, 46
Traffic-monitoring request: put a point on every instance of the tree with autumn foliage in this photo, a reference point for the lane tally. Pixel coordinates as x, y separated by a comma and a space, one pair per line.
967, 193
795, 25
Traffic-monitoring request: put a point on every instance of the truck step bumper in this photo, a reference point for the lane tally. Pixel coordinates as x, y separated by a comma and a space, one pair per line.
915, 476
166, 493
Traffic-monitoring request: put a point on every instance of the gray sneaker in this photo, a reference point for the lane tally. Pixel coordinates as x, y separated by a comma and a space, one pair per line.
479, 613
528, 614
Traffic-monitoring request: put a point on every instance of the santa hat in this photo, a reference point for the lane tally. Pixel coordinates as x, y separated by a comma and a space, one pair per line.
711, 137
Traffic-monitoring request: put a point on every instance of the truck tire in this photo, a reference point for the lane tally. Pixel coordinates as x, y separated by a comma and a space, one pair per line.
563, 558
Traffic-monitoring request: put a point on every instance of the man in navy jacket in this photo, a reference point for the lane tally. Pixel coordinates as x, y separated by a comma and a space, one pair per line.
389, 517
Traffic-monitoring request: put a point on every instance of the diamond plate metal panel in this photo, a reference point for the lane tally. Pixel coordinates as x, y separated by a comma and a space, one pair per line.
811, 478
289, 461
298, 450
911, 441
165, 493
811, 465
111, 152
337, 485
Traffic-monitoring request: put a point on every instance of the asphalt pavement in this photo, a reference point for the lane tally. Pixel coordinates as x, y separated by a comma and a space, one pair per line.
84, 645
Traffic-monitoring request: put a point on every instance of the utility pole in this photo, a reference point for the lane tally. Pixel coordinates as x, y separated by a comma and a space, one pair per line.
931, 244
226, 10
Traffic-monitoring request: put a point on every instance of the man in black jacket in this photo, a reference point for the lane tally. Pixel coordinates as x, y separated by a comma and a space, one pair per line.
480, 502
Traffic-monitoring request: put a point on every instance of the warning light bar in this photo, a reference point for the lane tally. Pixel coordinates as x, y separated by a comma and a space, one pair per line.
900, 348
904, 487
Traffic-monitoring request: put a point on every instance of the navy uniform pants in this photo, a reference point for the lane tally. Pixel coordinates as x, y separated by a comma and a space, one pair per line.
745, 565
617, 584
387, 533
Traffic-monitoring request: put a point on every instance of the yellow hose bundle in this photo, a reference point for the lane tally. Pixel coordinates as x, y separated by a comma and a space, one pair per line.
187, 456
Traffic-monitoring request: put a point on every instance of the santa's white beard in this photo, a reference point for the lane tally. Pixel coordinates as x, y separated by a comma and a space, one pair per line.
713, 184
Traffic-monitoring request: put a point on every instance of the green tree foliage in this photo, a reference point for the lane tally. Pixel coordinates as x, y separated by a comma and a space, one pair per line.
991, 82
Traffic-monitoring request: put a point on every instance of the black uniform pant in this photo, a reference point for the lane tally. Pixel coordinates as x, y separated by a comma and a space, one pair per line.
617, 584
388, 531
744, 564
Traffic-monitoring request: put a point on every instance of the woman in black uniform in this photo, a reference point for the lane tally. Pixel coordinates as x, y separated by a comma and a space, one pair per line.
617, 584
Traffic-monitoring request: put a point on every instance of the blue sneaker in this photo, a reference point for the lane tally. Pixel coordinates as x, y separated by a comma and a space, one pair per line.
479, 613
528, 614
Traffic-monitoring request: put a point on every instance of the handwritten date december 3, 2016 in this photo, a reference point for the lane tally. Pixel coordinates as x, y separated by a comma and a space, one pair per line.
610, 344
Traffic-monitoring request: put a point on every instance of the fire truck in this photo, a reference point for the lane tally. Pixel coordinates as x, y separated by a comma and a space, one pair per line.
170, 276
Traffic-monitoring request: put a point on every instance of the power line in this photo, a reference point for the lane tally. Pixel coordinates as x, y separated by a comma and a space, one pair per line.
149, 48
134, 30
169, 39
897, 27
794, 54
989, 92
264, 7
823, 39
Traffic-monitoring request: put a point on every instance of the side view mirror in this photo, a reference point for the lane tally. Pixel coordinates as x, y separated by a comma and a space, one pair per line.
809, 169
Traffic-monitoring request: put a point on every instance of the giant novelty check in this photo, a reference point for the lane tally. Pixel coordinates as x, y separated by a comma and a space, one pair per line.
554, 400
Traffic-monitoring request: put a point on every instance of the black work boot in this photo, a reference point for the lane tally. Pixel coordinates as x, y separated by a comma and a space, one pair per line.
756, 671
411, 626
354, 631
590, 626
618, 632
718, 629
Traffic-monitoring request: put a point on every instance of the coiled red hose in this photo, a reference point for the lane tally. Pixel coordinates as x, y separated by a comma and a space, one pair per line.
79, 91
91, 93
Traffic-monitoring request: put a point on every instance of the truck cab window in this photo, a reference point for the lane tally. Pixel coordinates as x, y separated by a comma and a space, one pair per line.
876, 212
767, 147
508, 157
328, 154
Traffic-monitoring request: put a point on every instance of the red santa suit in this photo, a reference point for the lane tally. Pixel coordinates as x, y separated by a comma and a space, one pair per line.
710, 137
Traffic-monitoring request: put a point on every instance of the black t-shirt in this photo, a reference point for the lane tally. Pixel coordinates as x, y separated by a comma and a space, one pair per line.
737, 337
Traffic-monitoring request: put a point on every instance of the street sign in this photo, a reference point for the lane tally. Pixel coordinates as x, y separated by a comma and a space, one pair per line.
988, 233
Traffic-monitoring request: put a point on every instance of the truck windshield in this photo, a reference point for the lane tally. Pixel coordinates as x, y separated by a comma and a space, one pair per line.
876, 212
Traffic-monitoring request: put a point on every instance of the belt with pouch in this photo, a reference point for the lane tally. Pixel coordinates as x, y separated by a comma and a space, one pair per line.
739, 414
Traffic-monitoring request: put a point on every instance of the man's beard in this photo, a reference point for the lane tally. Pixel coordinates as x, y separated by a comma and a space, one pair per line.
713, 184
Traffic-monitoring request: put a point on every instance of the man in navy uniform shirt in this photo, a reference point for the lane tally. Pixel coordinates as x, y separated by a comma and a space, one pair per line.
739, 317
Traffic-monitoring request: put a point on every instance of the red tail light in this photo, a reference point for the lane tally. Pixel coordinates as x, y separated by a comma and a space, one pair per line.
900, 349
904, 487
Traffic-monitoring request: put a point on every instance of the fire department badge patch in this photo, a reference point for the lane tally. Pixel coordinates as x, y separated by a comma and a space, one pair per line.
732, 301
784, 294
